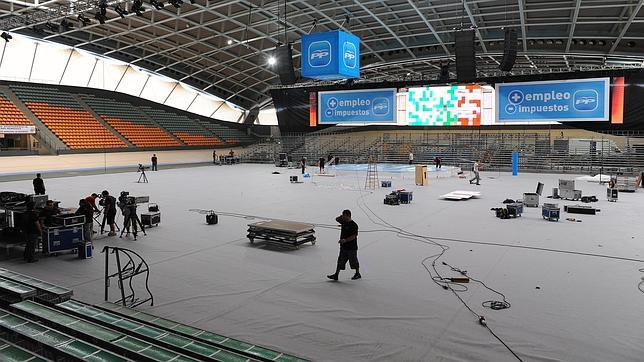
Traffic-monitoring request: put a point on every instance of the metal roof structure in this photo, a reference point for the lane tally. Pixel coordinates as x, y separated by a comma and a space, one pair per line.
222, 47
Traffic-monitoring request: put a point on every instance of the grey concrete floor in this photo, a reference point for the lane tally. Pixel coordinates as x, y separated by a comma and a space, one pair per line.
573, 287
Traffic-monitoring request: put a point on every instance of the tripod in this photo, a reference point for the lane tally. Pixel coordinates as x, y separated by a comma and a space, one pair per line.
143, 178
104, 221
131, 218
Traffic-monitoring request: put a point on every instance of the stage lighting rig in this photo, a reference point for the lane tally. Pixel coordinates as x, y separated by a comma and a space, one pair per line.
6, 36
85, 21
157, 4
176, 3
101, 15
137, 7
120, 11
66, 25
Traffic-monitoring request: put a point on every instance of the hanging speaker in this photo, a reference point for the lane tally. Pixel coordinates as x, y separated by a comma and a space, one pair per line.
284, 63
509, 50
465, 58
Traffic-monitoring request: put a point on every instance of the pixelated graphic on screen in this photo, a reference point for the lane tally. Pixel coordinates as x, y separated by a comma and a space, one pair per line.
457, 105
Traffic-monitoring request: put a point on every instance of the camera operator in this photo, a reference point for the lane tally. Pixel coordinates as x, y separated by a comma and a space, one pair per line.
85, 209
123, 204
109, 204
92, 202
47, 214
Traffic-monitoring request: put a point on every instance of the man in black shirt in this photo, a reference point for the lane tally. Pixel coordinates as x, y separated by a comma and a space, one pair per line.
32, 231
39, 185
110, 211
154, 162
85, 209
47, 214
348, 246
321, 160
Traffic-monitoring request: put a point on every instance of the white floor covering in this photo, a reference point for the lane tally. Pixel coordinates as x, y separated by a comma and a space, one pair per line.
565, 307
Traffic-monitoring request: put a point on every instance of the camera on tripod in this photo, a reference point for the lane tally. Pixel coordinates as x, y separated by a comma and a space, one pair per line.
128, 205
142, 168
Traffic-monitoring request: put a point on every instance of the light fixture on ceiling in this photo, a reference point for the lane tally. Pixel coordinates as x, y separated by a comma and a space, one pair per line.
101, 15
137, 7
6, 36
271, 60
121, 12
66, 25
229, 42
176, 3
84, 20
157, 4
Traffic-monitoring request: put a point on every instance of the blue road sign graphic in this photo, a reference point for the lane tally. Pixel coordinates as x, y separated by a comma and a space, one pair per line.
564, 100
363, 106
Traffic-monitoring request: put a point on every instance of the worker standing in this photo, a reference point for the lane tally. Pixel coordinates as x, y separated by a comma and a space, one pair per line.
39, 185
348, 246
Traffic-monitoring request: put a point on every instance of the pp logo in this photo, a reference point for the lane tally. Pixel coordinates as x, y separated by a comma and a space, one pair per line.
510, 108
515, 97
380, 106
585, 100
349, 54
319, 54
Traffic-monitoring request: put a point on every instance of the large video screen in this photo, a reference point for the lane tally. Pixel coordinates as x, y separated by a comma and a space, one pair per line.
560, 100
456, 105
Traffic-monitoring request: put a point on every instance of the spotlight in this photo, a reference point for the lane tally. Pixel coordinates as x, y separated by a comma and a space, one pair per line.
229, 42
6, 36
271, 60
85, 21
100, 17
120, 11
51, 27
157, 4
176, 3
137, 7
66, 25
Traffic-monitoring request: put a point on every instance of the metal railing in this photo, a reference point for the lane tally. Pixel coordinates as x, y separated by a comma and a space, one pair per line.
585, 152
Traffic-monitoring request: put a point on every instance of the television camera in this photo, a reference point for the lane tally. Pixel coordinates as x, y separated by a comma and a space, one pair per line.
128, 205
142, 178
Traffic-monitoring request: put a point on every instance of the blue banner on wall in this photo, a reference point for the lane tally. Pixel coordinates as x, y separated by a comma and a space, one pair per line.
360, 106
561, 100
331, 55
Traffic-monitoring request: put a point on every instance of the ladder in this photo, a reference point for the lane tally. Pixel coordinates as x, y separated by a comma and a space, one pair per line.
371, 183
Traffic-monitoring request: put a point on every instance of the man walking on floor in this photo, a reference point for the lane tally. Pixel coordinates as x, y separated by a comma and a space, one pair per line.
348, 246
477, 176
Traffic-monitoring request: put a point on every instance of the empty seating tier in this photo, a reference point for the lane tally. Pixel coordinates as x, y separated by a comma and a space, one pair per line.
140, 135
44, 291
189, 131
78, 129
130, 122
232, 136
62, 344
171, 339
12, 292
11, 115
199, 334
12, 353
102, 336
67, 118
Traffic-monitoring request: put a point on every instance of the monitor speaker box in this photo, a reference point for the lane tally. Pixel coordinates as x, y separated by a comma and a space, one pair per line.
509, 50
465, 57
284, 63
252, 116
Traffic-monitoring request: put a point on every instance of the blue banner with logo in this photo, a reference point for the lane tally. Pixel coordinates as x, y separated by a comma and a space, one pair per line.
357, 107
561, 100
331, 55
